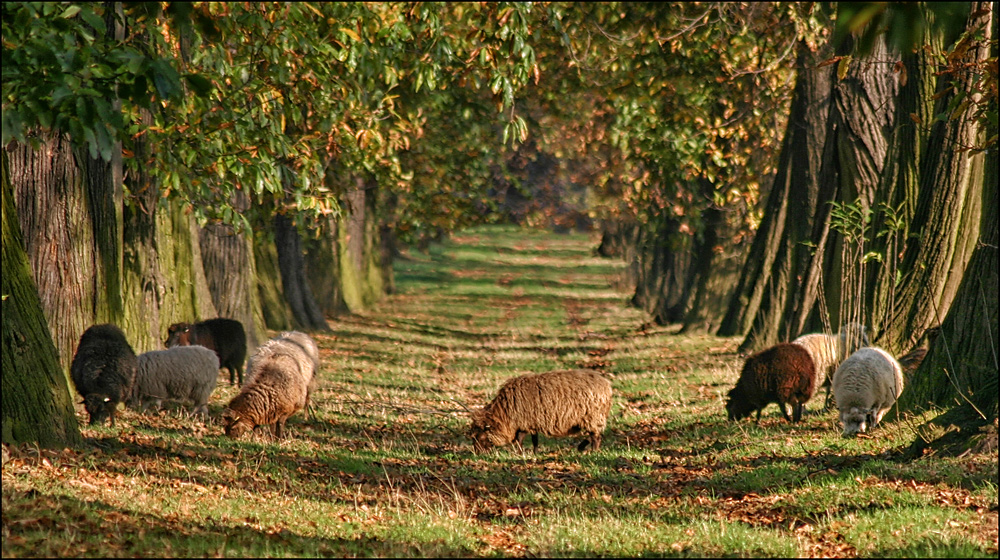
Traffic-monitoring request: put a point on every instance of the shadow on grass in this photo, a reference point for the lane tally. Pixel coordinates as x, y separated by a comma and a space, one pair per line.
50, 525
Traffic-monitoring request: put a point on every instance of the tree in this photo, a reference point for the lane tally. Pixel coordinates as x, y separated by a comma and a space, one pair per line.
960, 370
36, 402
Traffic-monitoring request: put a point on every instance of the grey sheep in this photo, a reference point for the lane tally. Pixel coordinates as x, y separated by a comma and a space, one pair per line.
225, 336
278, 388
555, 403
182, 373
829, 350
783, 373
103, 370
866, 386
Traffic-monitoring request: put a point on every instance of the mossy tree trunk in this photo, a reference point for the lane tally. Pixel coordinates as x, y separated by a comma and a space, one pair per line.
960, 369
37, 406
306, 312
322, 261
947, 217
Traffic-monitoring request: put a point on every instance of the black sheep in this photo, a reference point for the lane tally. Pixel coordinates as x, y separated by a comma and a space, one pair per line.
784, 373
225, 336
103, 370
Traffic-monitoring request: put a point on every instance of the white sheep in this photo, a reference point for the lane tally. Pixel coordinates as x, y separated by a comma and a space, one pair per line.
181, 373
829, 350
866, 386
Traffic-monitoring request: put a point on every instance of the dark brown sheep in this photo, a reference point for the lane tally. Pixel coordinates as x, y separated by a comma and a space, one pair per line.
103, 370
555, 403
784, 373
278, 389
225, 336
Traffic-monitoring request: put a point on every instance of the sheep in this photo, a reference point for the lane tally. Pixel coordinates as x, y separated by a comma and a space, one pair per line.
555, 403
103, 370
866, 386
783, 373
829, 350
279, 387
309, 350
181, 373
225, 336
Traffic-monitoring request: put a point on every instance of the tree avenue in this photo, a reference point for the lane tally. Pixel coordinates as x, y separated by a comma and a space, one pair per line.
767, 170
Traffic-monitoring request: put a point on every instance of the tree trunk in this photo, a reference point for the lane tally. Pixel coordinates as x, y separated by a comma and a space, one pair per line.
948, 212
227, 259
897, 195
55, 221
829, 293
322, 259
778, 255
961, 367
305, 311
277, 314
37, 406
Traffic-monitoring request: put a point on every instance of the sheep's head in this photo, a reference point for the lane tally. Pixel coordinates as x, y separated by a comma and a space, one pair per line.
178, 334
99, 406
855, 420
235, 424
483, 432
738, 407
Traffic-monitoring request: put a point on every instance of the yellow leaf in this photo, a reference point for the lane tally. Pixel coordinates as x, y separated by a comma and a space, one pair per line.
842, 67
350, 33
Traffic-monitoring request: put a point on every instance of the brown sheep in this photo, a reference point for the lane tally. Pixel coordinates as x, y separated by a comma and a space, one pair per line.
556, 403
784, 373
277, 390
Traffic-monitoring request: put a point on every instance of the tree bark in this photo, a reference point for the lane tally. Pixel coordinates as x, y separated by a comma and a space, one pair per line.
37, 406
897, 195
227, 259
305, 311
948, 212
829, 293
960, 369
55, 221
778, 255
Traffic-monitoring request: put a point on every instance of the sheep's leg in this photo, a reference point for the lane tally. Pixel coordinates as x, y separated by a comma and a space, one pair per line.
239, 374
534, 443
519, 439
797, 412
784, 412
759, 410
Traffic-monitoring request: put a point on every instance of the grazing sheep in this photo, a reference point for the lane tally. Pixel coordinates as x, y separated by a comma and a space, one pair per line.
555, 403
829, 350
182, 373
783, 373
103, 370
866, 386
225, 336
279, 387
291, 340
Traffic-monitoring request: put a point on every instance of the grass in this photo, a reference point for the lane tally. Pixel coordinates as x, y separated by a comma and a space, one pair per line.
385, 468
